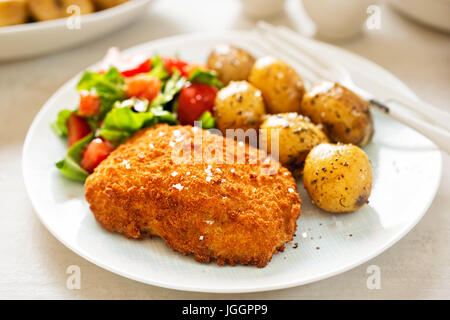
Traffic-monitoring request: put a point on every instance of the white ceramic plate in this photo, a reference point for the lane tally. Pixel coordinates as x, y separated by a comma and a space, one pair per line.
32, 39
406, 166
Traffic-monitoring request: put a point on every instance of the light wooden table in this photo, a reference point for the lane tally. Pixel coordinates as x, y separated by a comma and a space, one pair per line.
33, 263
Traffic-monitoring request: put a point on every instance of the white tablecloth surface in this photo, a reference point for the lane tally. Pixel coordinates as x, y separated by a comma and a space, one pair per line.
33, 263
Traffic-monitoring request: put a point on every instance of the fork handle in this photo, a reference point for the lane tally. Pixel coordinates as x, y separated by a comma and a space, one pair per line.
438, 135
430, 112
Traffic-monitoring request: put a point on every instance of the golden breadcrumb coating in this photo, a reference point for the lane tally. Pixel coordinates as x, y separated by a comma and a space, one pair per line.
233, 213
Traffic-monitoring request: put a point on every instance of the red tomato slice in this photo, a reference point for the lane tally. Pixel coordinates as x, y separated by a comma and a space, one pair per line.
77, 128
96, 151
181, 65
195, 98
143, 86
128, 66
89, 104
144, 67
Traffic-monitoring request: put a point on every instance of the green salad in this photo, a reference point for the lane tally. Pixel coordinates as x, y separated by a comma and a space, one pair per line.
117, 102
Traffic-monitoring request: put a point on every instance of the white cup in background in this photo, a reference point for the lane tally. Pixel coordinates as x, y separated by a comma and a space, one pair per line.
337, 19
260, 9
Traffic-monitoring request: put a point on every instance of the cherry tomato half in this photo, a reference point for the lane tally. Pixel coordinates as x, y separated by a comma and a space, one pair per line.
96, 151
89, 104
77, 128
143, 86
127, 65
144, 67
181, 65
195, 98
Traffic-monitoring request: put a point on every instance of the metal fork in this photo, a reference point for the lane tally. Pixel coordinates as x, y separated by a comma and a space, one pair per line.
299, 51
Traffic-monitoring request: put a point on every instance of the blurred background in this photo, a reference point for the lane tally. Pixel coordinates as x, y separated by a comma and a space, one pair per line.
409, 38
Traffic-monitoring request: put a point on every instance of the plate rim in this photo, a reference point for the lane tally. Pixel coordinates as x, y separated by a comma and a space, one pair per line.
173, 39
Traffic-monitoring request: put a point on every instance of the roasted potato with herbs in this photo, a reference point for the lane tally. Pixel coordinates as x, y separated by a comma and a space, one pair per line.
297, 135
230, 63
281, 86
338, 177
345, 116
238, 106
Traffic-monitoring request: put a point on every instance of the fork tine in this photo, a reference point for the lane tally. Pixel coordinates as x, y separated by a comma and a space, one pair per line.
265, 44
294, 54
304, 45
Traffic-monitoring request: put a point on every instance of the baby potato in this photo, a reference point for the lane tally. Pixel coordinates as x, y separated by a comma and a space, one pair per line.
338, 177
297, 135
345, 116
281, 87
238, 105
230, 63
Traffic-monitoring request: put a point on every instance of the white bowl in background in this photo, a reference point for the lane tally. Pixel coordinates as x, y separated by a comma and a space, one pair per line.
261, 9
337, 19
36, 38
433, 13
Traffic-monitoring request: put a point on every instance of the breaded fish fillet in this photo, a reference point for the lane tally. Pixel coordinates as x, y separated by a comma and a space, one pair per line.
233, 213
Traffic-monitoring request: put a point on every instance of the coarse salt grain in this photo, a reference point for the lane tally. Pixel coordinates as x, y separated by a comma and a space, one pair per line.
127, 165
174, 174
178, 186
290, 190
208, 178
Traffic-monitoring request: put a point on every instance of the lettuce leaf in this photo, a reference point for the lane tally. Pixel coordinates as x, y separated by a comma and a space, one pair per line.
164, 116
121, 122
158, 69
70, 165
206, 77
207, 120
59, 126
110, 87
172, 87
